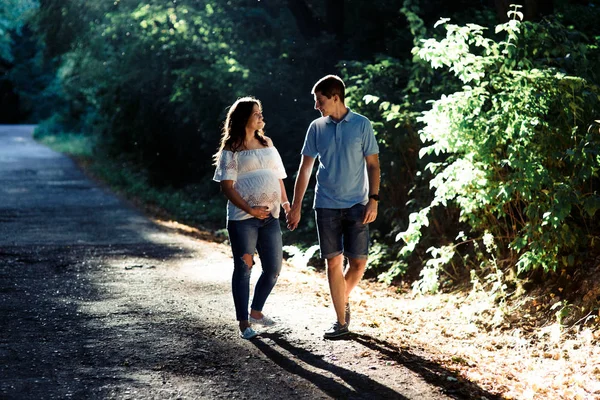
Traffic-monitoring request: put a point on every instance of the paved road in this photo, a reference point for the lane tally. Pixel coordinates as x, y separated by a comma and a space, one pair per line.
45, 199
98, 302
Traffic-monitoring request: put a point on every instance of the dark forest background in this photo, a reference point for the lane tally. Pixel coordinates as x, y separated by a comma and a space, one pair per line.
486, 119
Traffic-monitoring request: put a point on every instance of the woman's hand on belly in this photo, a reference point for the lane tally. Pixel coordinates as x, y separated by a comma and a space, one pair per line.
260, 212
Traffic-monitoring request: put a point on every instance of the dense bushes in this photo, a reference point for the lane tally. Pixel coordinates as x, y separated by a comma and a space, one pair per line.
520, 160
508, 148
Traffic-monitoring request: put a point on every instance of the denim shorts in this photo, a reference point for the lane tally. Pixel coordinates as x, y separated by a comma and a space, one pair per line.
341, 231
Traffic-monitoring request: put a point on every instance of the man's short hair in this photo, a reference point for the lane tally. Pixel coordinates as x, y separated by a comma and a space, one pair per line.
330, 85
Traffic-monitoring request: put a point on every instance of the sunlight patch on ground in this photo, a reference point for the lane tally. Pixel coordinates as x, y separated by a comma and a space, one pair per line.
542, 363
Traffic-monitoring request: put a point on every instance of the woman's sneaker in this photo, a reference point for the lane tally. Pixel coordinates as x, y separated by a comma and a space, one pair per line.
248, 333
264, 321
336, 331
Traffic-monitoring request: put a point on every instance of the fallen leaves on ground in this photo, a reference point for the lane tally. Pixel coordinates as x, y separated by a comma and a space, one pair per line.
459, 331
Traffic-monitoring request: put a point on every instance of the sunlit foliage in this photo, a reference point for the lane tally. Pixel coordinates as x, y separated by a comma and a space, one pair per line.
521, 160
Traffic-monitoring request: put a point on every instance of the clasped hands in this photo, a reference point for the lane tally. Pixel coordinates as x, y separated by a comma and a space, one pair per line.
292, 217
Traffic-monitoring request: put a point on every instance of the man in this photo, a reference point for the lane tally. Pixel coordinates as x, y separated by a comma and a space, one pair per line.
346, 193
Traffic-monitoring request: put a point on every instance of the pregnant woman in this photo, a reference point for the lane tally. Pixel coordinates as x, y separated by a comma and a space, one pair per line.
250, 171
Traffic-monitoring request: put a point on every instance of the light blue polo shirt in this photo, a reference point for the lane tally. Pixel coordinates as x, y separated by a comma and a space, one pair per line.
341, 147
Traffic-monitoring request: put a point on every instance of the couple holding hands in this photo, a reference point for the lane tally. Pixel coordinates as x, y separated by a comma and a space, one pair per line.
251, 174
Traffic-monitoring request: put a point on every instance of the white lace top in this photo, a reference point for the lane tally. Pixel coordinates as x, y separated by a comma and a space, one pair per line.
256, 174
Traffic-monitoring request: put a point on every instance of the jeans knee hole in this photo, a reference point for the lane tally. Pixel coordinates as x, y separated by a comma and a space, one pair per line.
248, 260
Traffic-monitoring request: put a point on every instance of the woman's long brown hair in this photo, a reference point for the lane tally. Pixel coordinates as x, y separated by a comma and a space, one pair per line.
234, 128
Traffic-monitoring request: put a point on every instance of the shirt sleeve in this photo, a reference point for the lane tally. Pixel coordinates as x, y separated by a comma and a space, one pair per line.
370, 145
310, 143
227, 167
279, 168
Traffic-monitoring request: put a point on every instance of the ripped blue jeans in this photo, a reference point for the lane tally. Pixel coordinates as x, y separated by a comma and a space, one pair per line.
247, 237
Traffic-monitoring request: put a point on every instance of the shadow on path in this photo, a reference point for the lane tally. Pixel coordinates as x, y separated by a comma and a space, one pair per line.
52, 345
452, 383
96, 322
357, 385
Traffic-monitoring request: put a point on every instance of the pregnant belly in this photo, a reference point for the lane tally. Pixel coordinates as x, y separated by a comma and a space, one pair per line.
260, 191
262, 199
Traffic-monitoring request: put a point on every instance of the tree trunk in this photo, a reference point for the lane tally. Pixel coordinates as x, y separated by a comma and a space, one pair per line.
311, 25
307, 23
335, 19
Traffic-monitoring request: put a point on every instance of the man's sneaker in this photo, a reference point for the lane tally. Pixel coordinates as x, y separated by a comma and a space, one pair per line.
337, 330
264, 321
348, 314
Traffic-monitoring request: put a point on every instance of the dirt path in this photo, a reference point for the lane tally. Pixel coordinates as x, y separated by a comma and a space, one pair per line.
98, 302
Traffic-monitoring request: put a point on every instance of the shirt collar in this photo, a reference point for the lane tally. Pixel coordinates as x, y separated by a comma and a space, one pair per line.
346, 118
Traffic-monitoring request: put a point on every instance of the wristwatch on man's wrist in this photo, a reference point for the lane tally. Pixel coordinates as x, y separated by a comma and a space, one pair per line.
374, 197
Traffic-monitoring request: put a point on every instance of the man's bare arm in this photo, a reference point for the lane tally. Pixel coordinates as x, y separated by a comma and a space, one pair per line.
304, 173
373, 173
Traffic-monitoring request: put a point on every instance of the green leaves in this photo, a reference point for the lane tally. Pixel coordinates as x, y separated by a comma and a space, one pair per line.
455, 52
520, 161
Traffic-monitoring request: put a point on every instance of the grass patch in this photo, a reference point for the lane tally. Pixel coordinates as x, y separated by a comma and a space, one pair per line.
69, 143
